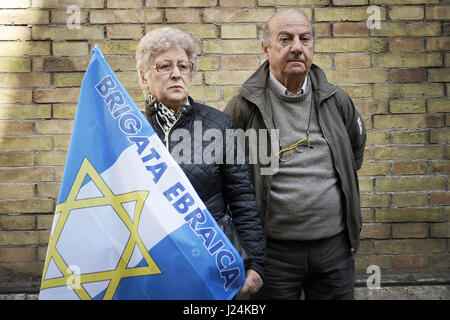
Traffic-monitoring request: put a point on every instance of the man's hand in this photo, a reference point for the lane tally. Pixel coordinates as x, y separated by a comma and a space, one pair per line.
253, 283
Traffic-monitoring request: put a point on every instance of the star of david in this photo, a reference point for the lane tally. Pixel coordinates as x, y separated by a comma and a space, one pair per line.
116, 202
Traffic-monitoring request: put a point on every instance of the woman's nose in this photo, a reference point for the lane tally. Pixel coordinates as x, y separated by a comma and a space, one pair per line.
176, 72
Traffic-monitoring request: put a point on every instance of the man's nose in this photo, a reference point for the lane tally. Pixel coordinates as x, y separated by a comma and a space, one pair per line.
296, 46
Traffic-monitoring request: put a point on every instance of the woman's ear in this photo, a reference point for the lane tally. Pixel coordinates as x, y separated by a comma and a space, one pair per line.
142, 75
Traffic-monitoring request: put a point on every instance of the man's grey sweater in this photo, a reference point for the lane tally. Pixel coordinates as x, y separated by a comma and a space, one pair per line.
305, 197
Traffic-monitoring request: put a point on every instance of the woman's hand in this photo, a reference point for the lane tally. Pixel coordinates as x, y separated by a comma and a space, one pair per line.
253, 283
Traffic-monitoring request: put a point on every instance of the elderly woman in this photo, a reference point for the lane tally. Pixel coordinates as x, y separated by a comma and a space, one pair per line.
166, 59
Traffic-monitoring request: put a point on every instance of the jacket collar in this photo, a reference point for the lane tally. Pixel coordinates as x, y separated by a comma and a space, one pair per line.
254, 88
186, 109
322, 88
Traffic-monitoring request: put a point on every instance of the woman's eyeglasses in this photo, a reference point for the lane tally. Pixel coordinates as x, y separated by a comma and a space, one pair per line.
167, 66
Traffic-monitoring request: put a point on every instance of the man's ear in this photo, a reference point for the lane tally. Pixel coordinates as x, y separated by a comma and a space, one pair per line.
265, 50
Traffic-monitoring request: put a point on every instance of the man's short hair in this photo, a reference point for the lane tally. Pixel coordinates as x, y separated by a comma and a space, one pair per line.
266, 32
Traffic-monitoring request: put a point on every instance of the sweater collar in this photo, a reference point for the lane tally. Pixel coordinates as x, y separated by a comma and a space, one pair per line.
283, 89
254, 88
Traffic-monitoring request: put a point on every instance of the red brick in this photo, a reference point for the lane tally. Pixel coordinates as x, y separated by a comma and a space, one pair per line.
440, 199
322, 30
403, 168
410, 246
406, 44
239, 62
17, 254
439, 262
410, 262
26, 174
13, 128
63, 64
350, 29
437, 12
183, 16
438, 43
22, 270
447, 29
371, 106
409, 230
441, 167
17, 222
409, 75
375, 231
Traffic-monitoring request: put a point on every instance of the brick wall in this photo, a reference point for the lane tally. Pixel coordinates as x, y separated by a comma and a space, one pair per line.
397, 74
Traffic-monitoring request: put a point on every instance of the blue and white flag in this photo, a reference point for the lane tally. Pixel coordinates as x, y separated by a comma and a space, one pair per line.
128, 223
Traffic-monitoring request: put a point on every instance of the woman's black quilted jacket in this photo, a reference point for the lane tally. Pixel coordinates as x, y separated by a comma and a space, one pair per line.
218, 184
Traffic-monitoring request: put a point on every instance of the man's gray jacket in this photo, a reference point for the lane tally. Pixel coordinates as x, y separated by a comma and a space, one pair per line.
341, 125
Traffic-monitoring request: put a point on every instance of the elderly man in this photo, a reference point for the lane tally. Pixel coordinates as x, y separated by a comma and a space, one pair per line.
310, 207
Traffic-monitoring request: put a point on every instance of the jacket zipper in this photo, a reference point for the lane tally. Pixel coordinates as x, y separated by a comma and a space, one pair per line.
166, 138
352, 250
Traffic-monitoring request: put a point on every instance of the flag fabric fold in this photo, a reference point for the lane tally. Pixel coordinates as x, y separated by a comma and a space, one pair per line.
128, 224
